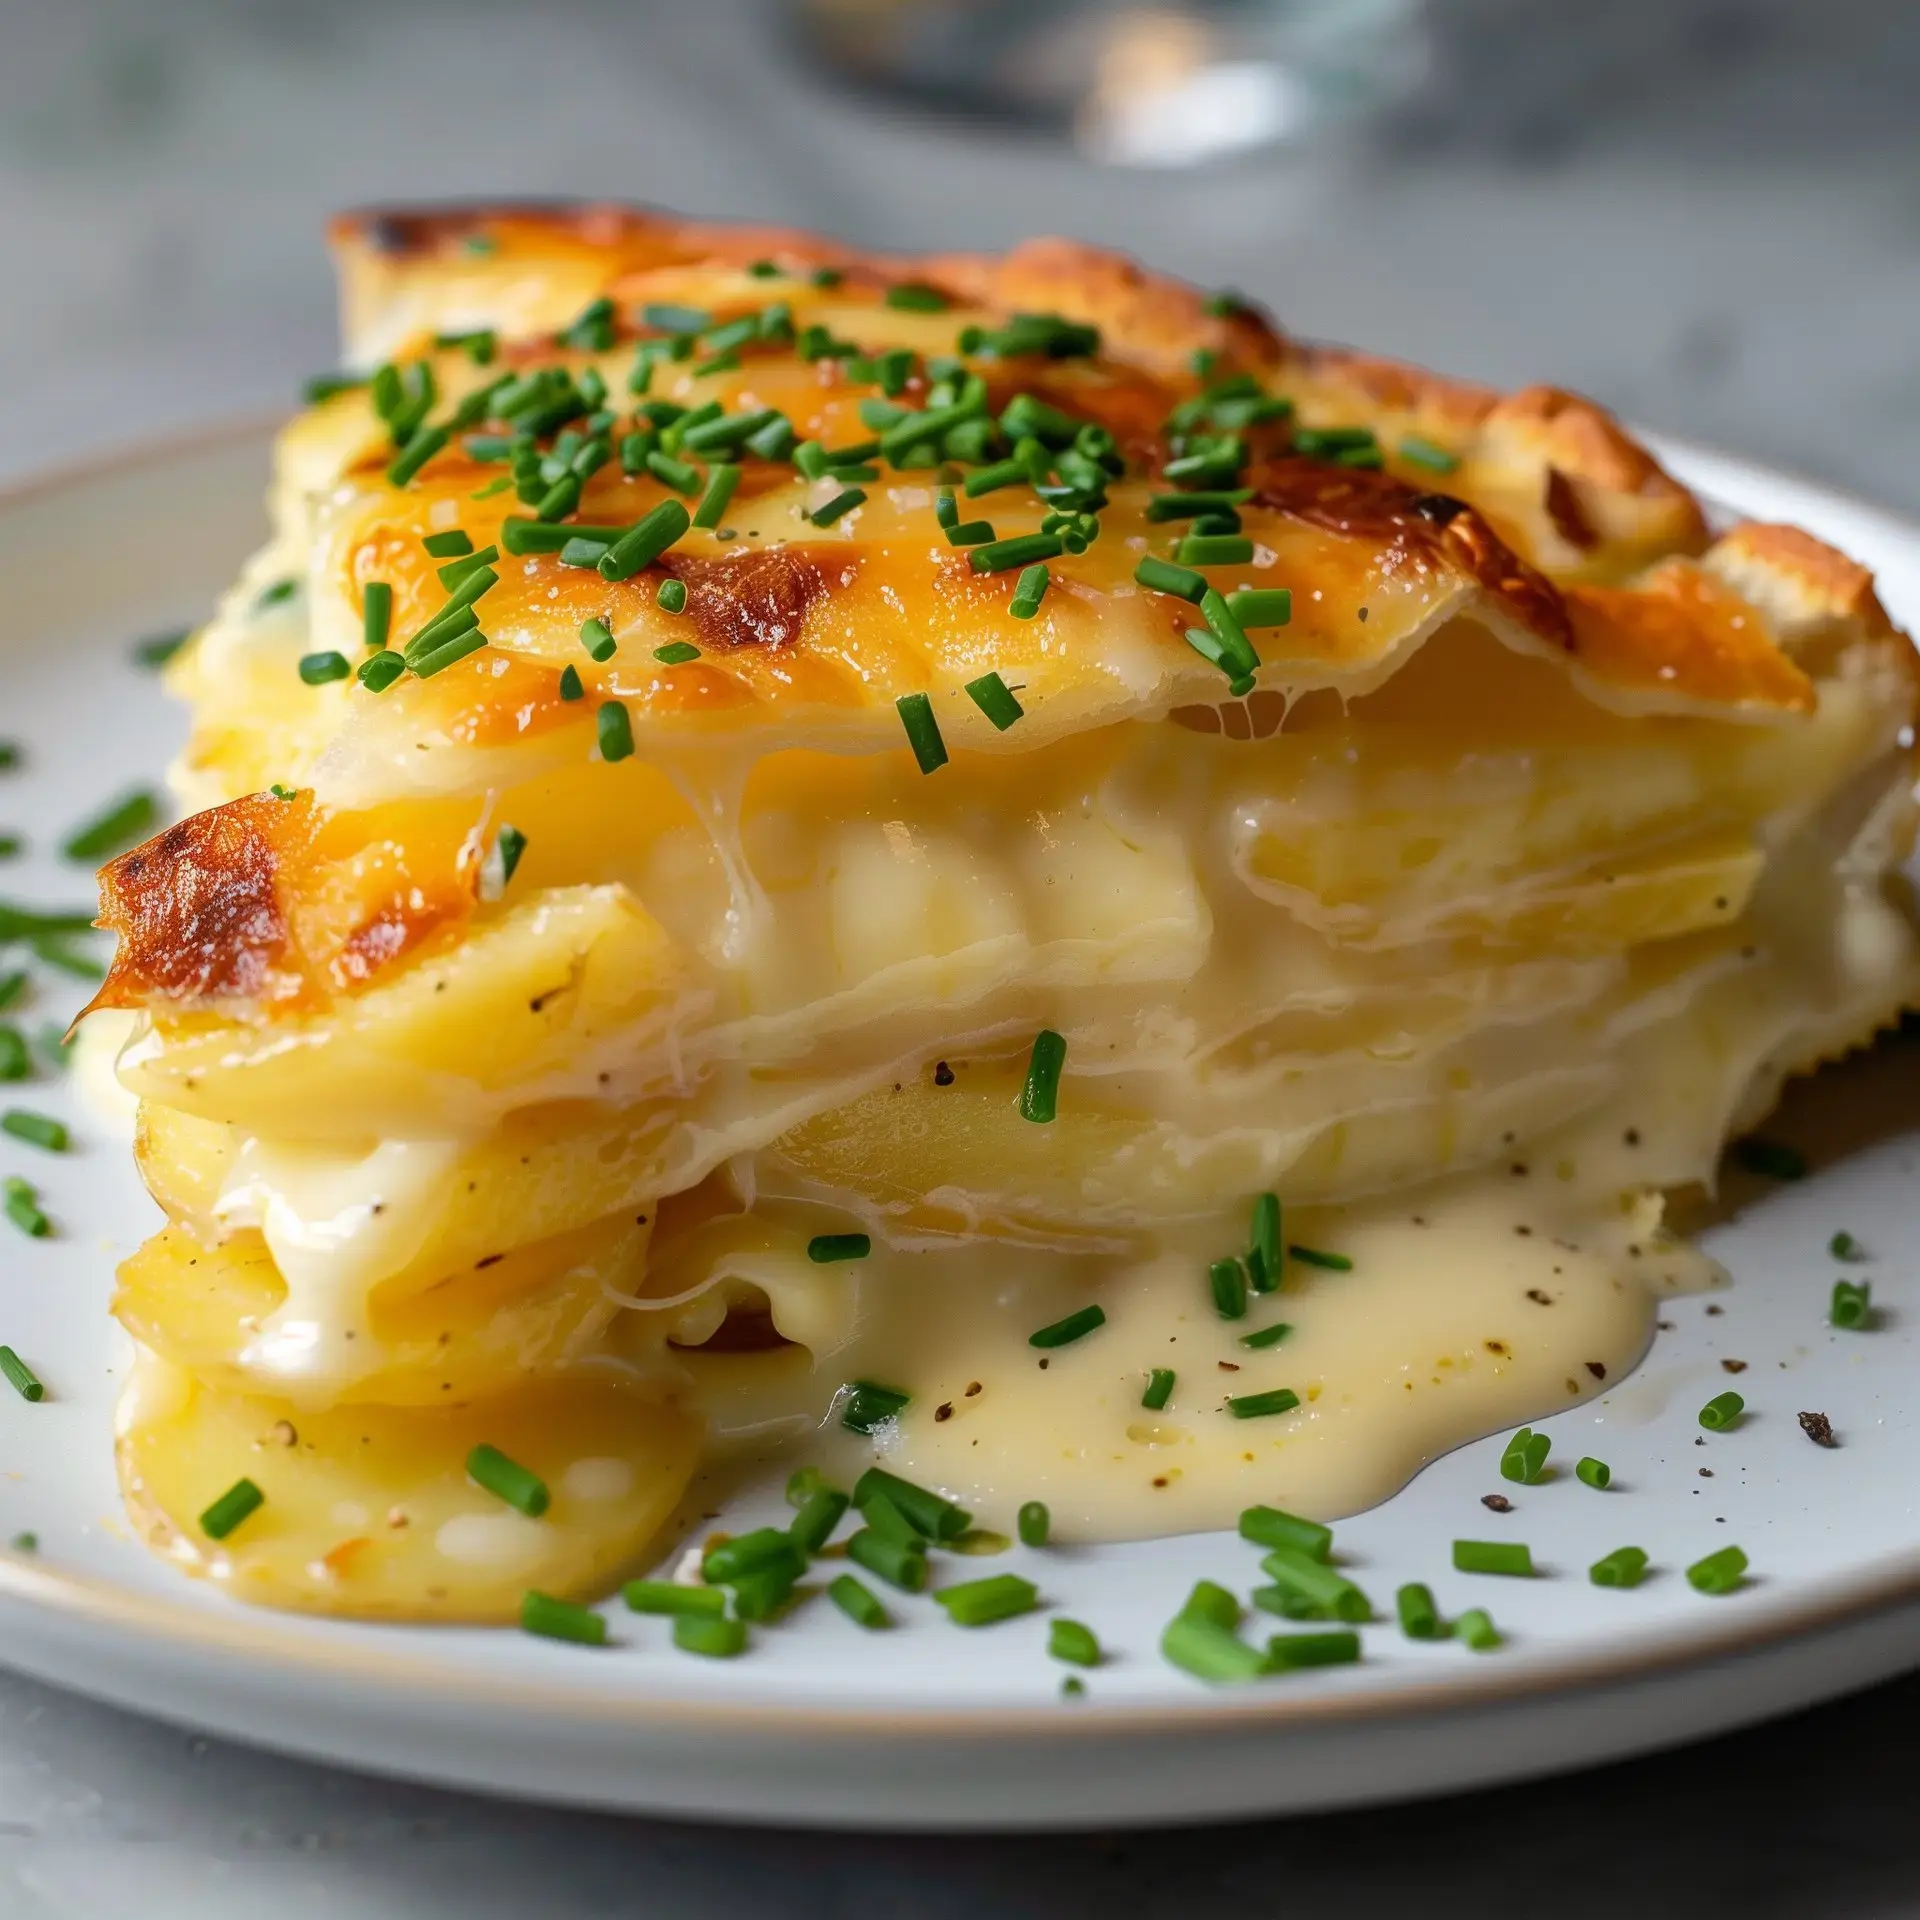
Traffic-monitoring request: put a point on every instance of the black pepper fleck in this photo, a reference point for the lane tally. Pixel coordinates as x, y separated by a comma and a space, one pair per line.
1819, 1429
1498, 1502
942, 1074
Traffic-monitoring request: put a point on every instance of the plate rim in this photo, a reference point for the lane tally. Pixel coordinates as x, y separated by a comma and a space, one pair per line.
161, 1626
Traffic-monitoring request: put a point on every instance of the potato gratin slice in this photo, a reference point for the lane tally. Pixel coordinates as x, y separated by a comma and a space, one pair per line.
778, 823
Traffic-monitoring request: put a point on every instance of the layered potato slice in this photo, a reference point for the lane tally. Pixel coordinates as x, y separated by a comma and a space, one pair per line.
514, 1015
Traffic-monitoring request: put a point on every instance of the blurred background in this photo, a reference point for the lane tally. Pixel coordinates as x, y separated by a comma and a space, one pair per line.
1705, 212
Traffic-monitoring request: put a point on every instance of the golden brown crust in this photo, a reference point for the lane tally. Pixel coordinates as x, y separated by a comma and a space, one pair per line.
1802, 585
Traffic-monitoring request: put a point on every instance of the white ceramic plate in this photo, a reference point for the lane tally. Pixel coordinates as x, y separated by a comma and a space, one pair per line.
928, 1726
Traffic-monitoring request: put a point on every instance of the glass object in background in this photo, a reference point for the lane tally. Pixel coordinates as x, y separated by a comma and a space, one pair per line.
1169, 85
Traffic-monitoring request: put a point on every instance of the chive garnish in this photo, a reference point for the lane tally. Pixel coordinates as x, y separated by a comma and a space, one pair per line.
1162, 576
1201, 1639
1623, 1567
1158, 1390
415, 455
1075, 1326
672, 597
890, 1523
1028, 591
664, 317
1719, 1572
1040, 1096
824, 1248
20, 1376
1187, 506
319, 669
813, 1525
1493, 1556
1317, 442
1852, 1305
1215, 550
328, 386
1722, 1411
1227, 1280
1257, 1406
803, 1483
1289, 1651
16, 1063
923, 731
1265, 1262
428, 661
1304, 1578
488, 1467
152, 653
597, 637
1267, 1336
995, 699
859, 1603
36, 1129
1319, 1257
1525, 1457
571, 686
552, 1619
842, 502
722, 479
1270, 1527
1419, 452
381, 671
1262, 606
912, 296
869, 1405
1843, 1246
749, 1553
669, 1597
1419, 1617
1476, 1628
1070, 1641
22, 1205
970, 533
376, 614
676, 653
1770, 1159
449, 545
681, 475
714, 1636
1033, 1524
233, 1506
1020, 551
931, 1514
536, 536
898, 1565
120, 826
978, 1603
615, 729
509, 844
1593, 1473
583, 553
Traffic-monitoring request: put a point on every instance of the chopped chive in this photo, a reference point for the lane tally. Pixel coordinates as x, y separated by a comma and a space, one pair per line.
415, 455
537, 536
1264, 1257
1419, 452
16, 1063
428, 661
1843, 1246
1187, 506
1722, 1411
498, 485
571, 686
25, 1543
722, 479
748, 1553
1623, 1567
898, 1565
277, 594
318, 669
1228, 1281
1593, 1473
1162, 576
645, 541
376, 614
1719, 1572
714, 1636
1262, 606
615, 729
725, 432
869, 1405
233, 1506
1770, 1159
1419, 1618
380, 671
1158, 1390
979, 1603
970, 533
923, 731
1306, 1578
1287, 1652
1255, 1406
449, 545
1525, 1457
811, 1527
676, 653
1033, 1523
1215, 550
36, 1129
842, 502
1267, 1336
155, 652
1476, 1628
803, 1483
824, 1248
672, 597
22, 1205
488, 1467
664, 317
931, 1514
1317, 442
764, 1593
1319, 1257
859, 1603
20, 1376
551, 1619
1076, 1326
681, 475
1851, 1307
597, 637
1070, 1641
1493, 1556
1040, 1096
1212, 1602
995, 699
1028, 591
886, 1519
1020, 551
120, 826
1209, 1651
509, 844
1270, 1527
911, 296
668, 1596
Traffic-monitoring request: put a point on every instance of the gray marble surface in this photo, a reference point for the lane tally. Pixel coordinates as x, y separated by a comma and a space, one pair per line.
1706, 213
